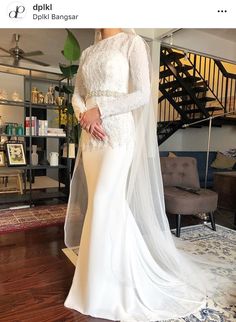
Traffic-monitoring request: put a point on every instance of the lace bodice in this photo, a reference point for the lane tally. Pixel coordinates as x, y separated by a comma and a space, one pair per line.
113, 74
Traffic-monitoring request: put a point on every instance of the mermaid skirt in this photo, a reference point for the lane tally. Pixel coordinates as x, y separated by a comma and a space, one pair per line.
116, 277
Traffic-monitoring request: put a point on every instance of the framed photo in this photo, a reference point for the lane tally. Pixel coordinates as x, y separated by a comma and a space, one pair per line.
2, 159
15, 154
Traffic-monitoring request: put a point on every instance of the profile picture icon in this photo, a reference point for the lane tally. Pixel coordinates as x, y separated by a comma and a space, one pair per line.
16, 10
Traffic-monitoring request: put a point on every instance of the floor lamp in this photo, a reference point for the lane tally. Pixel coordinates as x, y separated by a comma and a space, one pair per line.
209, 137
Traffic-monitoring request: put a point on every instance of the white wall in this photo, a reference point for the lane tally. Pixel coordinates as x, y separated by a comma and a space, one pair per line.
195, 139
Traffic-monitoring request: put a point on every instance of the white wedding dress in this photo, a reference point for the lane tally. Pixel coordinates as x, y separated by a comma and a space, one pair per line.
116, 276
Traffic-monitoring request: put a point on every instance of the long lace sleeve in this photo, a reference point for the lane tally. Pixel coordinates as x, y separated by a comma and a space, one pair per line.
78, 101
140, 80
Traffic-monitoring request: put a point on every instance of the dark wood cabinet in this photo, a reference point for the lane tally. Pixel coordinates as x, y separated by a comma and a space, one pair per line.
225, 185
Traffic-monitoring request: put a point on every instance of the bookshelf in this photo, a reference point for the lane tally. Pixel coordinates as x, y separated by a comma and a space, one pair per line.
47, 138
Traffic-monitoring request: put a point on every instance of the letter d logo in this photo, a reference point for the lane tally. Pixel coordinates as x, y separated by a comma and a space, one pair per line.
16, 10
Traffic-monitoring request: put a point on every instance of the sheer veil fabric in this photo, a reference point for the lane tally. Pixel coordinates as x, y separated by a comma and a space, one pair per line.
183, 280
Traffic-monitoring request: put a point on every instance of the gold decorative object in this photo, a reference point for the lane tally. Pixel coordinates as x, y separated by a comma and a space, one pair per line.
49, 97
34, 95
16, 97
40, 98
60, 100
3, 94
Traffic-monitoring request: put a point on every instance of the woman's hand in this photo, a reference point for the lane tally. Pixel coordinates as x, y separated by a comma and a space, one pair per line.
90, 116
90, 121
97, 131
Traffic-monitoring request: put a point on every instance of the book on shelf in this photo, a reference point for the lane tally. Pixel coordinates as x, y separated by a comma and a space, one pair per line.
31, 123
34, 125
40, 128
27, 125
53, 131
57, 134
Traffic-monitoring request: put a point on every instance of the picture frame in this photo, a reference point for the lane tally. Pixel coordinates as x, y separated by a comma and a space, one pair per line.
15, 154
2, 159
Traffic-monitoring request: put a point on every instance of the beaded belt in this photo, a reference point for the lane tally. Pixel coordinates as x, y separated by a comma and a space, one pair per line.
103, 93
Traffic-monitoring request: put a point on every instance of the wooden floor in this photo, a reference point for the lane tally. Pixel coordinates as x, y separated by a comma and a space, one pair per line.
35, 275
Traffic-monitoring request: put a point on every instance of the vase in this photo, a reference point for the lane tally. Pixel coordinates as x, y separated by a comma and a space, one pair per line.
53, 158
2, 126
34, 155
20, 130
16, 97
3, 94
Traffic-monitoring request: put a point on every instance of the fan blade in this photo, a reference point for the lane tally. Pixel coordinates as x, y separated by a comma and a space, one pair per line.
3, 49
5, 56
33, 53
35, 61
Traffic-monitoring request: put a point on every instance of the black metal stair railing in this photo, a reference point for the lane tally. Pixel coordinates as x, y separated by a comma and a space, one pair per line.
178, 102
178, 87
221, 83
191, 87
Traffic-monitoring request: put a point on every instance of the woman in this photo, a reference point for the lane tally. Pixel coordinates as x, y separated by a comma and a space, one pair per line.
128, 267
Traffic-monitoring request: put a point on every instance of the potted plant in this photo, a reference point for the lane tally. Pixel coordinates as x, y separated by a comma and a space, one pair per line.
71, 52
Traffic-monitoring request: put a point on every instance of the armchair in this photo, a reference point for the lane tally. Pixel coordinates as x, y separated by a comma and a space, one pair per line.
182, 192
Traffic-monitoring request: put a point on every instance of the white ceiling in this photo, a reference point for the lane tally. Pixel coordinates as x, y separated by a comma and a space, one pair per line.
227, 34
49, 41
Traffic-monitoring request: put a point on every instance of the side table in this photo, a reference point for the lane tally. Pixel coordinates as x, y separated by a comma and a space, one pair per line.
225, 185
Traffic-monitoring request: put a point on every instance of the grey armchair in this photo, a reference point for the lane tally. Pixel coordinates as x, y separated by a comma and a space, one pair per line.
183, 195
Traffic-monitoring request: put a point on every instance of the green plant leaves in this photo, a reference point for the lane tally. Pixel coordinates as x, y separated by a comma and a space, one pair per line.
71, 52
77, 132
70, 109
68, 71
68, 89
71, 47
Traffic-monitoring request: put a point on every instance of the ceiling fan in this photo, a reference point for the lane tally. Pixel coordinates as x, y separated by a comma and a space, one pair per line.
18, 54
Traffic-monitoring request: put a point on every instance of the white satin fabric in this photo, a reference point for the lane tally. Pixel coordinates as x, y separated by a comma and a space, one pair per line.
112, 251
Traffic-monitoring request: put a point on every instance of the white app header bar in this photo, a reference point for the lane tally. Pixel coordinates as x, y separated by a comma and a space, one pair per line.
119, 13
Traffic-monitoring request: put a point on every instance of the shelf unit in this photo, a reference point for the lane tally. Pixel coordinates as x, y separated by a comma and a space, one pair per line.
28, 104
31, 77
34, 136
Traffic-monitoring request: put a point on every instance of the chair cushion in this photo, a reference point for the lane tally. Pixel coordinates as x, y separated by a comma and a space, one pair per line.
223, 162
180, 171
186, 203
